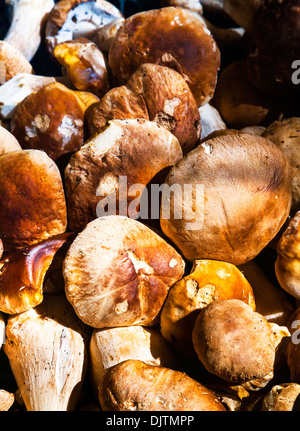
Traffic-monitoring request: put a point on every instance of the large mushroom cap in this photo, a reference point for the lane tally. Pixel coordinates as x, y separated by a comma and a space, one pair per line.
242, 200
172, 37
32, 200
118, 272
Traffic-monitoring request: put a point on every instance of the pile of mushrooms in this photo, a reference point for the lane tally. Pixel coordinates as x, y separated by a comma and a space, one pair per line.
150, 207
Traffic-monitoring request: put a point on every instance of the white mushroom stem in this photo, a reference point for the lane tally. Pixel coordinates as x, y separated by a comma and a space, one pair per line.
47, 351
211, 120
27, 20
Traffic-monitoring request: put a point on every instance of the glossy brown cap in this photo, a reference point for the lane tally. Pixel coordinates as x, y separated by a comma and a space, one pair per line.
156, 93
32, 200
22, 275
172, 37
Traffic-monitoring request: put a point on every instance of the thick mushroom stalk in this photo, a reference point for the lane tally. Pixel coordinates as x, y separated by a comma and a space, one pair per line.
27, 20
46, 347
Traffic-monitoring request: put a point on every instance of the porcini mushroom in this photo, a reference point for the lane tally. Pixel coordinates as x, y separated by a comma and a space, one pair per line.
8, 143
47, 351
22, 274
32, 200
26, 26
208, 281
115, 165
281, 398
51, 119
171, 37
2, 329
71, 19
130, 282
215, 223
235, 343
134, 385
155, 93
111, 346
12, 62
6, 400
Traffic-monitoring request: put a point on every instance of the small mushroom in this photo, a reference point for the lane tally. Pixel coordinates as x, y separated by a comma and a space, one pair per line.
47, 351
26, 26
135, 386
32, 200
73, 19
235, 343
111, 346
115, 165
286, 135
12, 62
208, 281
172, 37
51, 119
17, 89
217, 223
85, 65
287, 265
155, 93
22, 274
8, 143
129, 284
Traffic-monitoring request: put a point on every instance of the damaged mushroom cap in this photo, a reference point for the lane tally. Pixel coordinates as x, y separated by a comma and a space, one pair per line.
156, 93
208, 281
116, 163
287, 265
110, 346
235, 343
171, 37
22, 274
130, 282
286, 135
134, 385
239, 103
12, 62
47, 350
72, 19
217, 223
85, 65
50, 119
33, 206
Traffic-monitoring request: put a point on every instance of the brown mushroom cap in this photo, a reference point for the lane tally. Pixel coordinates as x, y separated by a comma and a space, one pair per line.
128, 284
135, 150
135, 385
245, 198
235, 343
22, 274
287, 265
51, 120
171, 37
85, 65
156, 93
208, 281
70, 19
240, 103
33, 206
